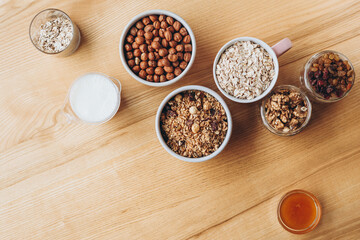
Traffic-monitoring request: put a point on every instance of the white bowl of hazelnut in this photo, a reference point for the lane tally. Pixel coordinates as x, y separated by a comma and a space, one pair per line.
157, 48
193, 123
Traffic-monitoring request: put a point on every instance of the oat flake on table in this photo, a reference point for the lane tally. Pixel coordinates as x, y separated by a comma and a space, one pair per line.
245, 70
55, 35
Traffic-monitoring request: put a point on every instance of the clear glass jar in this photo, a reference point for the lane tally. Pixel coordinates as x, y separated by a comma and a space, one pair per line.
306, 81
48, 15
301, 206
282, 132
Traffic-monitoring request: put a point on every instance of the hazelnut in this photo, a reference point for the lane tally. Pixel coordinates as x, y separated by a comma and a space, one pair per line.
172, 57
176, 64
162, 17
134, 45
193, 110
178, 98
148, 35
143, 48
177, 71
143, 65
136, 69
195, 128
165, 62
153, 18
137, 52
133, 31
156, 39
148, 28
188, 47
168, 35
130, 38
172, 44
157, 56
156, 25
177, 25
206, 106
140, 33
144, 56
183, 65
163, 24
172, 51
187, 57
148, 41
164, 43
162, 33
152, 63
162, 78
150, 78
137, 61
139, 40
171, 29
159, 71
139, 25
170, 76
163, 52
151, 56
131, 63
150, 48
183, 31
146, 21
180, 56
187, 39
155, 45
177, 37
142, 74
129, 55
150, 70
179, 48
156, 78
170, 20
168, 69
155, 32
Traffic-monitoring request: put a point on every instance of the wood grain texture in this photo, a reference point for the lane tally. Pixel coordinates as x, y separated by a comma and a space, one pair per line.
115, 181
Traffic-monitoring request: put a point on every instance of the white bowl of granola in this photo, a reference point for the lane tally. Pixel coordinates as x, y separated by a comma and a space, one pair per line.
193, 123
246, 69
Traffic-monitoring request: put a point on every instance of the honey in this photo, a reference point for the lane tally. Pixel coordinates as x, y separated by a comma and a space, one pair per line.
299, 211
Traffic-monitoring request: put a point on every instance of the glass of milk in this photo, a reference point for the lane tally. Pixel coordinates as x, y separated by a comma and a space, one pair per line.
93, 98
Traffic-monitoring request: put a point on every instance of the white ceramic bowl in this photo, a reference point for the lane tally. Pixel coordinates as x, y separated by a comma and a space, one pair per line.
267, 48
136, 19
171, 95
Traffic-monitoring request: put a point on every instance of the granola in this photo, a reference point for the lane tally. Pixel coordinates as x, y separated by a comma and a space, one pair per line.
193, 124
286, 110
245, 70
55, 35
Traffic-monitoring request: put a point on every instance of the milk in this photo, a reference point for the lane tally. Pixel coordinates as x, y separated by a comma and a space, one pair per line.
94, 98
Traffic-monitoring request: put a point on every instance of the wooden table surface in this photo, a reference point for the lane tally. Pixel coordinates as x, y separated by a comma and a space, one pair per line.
115, 181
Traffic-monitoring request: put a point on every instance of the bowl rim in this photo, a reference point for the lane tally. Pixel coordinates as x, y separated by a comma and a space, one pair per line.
137, 18
200, 88
267, 48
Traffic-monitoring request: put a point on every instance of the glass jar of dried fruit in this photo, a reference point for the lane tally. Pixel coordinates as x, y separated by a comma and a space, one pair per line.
286, 110
328, 76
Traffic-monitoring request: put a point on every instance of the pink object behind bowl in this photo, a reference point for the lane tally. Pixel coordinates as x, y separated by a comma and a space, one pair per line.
281, 47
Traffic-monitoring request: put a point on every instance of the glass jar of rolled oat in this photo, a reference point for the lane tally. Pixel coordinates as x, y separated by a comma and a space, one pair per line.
53, 32
286, 110
327, 76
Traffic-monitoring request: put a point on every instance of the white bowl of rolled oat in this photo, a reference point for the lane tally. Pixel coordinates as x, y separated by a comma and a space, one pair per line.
246, 69
193, 123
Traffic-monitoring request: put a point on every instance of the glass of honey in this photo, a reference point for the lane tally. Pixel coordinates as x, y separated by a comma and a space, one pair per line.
299, 211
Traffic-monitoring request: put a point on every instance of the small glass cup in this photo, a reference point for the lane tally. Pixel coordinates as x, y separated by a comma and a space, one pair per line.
281, 132
305, 81
71, 116
48, 15
317, 216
